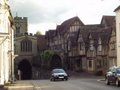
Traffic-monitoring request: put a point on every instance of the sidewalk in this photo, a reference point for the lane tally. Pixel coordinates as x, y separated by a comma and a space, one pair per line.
19, 86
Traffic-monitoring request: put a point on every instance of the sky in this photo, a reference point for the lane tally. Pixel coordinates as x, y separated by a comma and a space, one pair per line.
44, 15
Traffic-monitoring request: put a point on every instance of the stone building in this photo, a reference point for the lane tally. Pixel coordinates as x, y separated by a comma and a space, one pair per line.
25, 45
6, 43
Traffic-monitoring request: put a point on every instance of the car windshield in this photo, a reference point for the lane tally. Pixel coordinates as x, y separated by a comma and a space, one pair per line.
58, 71
118, 70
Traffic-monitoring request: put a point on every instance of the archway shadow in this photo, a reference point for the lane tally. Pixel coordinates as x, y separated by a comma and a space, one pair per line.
26, 70
56, 62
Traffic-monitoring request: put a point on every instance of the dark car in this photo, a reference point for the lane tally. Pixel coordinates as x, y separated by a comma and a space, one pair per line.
58, 74
113, 76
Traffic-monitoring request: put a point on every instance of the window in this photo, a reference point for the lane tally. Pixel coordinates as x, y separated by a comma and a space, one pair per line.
17, 30
99, 45
81, 46
26, 46
99, 48
90, 64
91, 47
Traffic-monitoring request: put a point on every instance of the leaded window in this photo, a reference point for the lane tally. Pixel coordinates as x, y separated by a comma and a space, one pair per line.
26, 46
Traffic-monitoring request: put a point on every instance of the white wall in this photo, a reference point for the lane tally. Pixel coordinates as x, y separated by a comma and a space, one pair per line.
118, 36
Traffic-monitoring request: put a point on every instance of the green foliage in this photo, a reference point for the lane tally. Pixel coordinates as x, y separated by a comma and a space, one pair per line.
47, 55
38, 33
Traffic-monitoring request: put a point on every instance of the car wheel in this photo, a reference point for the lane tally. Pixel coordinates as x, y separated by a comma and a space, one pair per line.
117, 83
107, 82
66, 79
51, 79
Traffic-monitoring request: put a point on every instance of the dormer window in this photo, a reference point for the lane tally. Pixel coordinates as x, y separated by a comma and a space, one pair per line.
99, 48
91, 45
99, 45
81, 46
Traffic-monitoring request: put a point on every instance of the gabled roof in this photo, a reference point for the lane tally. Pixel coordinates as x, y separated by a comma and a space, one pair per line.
117, 8
86, 30
95, 32
41, 42
109, 20
66, 24
50, 33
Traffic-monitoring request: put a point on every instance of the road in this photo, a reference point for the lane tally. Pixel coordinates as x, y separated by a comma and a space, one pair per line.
71, 84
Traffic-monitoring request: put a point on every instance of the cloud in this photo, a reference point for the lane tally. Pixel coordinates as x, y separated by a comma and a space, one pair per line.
44, 13
38, 12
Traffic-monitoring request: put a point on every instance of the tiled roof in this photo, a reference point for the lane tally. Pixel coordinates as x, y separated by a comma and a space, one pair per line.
50, 33
96, 32
41, 42
117, 8
105, 36
85, 31
109, 20
66, 24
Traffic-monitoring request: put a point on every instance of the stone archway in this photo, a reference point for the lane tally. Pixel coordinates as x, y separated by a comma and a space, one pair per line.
26, 70
56, 62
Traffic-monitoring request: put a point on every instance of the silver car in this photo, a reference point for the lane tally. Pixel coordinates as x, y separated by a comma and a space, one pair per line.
58, 74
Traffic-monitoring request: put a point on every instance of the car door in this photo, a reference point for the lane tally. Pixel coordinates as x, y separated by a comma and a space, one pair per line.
113, 76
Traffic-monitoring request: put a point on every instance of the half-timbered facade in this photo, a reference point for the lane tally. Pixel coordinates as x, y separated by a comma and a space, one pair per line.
83, 47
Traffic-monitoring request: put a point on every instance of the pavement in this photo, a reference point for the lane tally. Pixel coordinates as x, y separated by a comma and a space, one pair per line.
21, 85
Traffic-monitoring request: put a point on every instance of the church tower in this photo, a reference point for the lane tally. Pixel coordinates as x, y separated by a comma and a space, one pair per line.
21, 26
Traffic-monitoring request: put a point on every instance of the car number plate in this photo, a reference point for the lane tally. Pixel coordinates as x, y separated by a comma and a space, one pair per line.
61, 77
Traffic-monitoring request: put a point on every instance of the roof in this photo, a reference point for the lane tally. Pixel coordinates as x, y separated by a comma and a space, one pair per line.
50, 33
66, 24
109, 20
95, 32
41, 42
117, 9
105, 36
85, 31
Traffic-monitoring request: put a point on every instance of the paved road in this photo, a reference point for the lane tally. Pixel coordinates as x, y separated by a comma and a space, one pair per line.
71, 84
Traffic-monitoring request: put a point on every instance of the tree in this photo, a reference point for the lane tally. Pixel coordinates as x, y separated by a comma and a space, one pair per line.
46, 57
38, 33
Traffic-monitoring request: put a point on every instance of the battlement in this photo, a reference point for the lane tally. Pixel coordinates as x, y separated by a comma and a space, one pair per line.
20, 18
27, 34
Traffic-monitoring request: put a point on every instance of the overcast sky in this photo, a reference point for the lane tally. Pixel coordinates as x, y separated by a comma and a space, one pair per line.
46, 14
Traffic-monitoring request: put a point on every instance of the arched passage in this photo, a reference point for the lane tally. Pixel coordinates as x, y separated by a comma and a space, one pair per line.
56, 61
26, 70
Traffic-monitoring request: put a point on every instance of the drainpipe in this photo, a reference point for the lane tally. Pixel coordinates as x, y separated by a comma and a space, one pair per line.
12, 62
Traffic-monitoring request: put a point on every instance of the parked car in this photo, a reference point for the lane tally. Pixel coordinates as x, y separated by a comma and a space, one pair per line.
113, 76
58, 74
